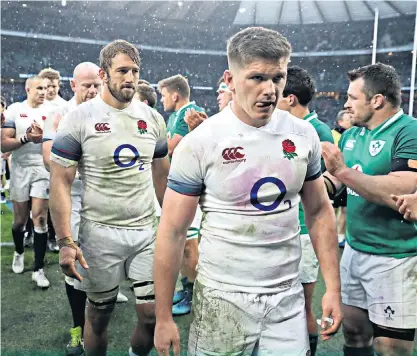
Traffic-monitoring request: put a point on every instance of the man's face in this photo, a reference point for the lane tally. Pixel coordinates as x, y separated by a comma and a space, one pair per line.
168, 100
53, 88
257, 87
224, 97
37, 91
122, 78
86, 86
358, 107
345, 121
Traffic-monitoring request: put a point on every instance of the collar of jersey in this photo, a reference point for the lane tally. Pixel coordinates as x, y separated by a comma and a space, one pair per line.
311, 116
184, 106
267, 128
388, 123
111, 108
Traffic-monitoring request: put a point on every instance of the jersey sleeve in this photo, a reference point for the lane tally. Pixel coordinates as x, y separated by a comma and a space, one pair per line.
66, 149
161, 147
181, 127
186, 174
314, 163
10, 117
405, 147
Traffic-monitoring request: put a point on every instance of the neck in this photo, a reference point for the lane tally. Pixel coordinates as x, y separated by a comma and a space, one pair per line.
380, 117
244, 117
112, 101
179, 104
300, 111
32, 103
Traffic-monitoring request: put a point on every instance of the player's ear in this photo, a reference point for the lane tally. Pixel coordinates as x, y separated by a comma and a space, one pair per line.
103, 75
292, 100
72, 83
377, 101
228, 79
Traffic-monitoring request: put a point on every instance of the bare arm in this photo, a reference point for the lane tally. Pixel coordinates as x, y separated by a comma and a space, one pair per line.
46, 154
177, 215
60, 198
173, 142
9, 142
160, 170
321, 224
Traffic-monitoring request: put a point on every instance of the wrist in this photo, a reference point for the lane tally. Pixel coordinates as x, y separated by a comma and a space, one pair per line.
66, 242
341, 172
24, 139
163, 316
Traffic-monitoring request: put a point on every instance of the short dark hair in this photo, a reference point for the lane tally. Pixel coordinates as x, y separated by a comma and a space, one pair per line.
301, 84
176, 83
111, 50
143, 81
146, 92
381, 79
49, 73
255, 43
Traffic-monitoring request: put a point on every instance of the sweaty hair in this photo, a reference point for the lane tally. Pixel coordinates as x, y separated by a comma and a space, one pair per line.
177, 83
146, 92
49, 73
254, 43
381, 79
113, 49
301, 84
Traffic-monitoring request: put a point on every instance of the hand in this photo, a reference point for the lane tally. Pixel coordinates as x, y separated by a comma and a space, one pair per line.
331, 306
407, 205
167, 335
194, 118
67, 257
6, 155
34, 133
333, 158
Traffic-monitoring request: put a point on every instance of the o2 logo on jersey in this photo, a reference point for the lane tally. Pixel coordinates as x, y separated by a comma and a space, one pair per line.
132, 162
257, 186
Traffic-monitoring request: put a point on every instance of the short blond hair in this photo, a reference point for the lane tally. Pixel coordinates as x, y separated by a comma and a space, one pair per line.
176, 83
49, 73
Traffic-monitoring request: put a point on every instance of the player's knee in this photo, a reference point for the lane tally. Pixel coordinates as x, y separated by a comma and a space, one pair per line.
39, 219
19, 225
146, 314
100, 307
356, 334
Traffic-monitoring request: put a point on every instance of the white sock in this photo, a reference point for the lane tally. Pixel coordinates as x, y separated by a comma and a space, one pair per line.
341, 237
131, 353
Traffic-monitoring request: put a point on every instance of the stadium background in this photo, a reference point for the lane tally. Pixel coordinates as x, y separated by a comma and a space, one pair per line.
328, 39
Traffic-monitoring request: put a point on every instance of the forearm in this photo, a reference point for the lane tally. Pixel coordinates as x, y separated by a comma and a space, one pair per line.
60, 208
9, 144
160, 188
46, 154
323, 234
376, 189
168, 256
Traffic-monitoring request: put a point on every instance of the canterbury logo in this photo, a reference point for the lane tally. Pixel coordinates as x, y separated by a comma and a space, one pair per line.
102, 127
232, 155
23, 115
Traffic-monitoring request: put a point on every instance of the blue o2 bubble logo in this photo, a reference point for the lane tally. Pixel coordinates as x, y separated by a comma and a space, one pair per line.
132, 162
257, 186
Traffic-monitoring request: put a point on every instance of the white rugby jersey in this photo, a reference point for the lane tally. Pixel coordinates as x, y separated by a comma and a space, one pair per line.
20, 116
249, 181
114, 150
57, 102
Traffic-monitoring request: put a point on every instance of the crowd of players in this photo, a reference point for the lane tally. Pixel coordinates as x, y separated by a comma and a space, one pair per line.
104, 162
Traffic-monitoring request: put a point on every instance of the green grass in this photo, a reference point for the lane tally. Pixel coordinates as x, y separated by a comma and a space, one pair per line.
36, 322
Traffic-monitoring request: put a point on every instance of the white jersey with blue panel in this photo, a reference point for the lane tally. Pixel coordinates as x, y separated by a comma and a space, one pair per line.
114, 150
249, 181
20, 116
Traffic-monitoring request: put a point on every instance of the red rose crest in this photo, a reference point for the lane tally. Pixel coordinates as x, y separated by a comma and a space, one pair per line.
142, 126
288, 148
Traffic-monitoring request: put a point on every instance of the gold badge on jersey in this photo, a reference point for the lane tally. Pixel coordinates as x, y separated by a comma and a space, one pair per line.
375, 147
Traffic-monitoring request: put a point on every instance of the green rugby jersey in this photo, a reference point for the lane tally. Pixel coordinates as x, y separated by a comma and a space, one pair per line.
325, 135
373, 228
176, 123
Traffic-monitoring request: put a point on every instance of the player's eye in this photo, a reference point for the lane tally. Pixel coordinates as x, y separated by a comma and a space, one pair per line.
258, 78
277, 79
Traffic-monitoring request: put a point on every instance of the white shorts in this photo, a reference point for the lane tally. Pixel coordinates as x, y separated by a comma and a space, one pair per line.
26, 182
309, 265
247, 324
115, 254
385, 286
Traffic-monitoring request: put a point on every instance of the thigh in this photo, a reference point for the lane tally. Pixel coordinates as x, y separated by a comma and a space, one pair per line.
105, 253
284, 329
357, 329
353, 292
39, 187
223, 322
20, 182
391, 285
309, 265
